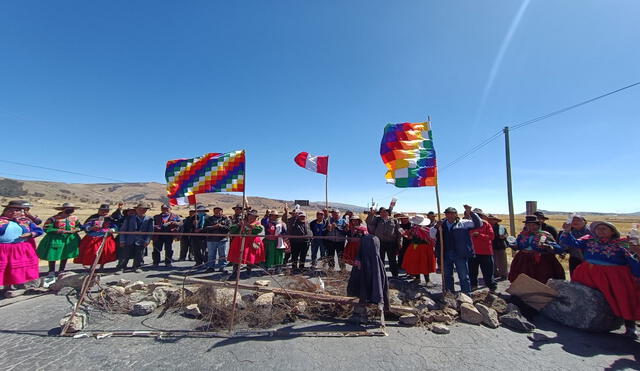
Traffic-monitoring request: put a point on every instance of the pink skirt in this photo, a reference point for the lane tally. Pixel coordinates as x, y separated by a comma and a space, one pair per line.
18, 263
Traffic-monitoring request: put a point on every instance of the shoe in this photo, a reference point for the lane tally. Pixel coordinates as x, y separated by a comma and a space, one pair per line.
117, 273
155, 264
137, 270
631, 333
168, 264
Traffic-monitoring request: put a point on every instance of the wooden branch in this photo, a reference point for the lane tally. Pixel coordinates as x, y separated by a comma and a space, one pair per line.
295, 294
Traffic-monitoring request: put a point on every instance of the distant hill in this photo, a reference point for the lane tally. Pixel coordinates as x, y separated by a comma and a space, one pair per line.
46, 195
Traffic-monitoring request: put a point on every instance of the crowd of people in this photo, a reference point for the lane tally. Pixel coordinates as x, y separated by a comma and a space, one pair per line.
599, 257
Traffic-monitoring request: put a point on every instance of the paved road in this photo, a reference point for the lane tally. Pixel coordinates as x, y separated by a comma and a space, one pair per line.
27, 341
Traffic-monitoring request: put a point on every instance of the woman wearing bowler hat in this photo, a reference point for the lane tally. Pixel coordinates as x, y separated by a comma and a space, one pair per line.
62, 240
535, 257
18, 259
97, 226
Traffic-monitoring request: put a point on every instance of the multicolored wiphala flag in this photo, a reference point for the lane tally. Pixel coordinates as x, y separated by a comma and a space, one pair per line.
407, 151
213, 172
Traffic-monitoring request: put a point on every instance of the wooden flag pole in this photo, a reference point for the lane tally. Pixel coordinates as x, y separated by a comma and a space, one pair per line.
241, 257
441, 239
326, 191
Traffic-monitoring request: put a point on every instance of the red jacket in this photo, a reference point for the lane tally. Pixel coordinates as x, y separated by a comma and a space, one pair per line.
483, 242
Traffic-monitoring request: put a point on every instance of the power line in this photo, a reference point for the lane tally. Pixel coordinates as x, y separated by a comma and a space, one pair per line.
63, 171
562, 110
473, 150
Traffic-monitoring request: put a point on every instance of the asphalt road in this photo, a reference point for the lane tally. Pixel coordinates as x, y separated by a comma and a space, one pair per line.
28, 341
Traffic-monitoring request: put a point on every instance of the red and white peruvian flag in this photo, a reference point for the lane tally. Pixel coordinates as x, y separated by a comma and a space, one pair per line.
317, 164
189, 200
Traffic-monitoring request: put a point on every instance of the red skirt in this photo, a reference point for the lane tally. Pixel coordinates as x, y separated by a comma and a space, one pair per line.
89, 248
616, 283
350, 252
253, 250
419, 259
538, 266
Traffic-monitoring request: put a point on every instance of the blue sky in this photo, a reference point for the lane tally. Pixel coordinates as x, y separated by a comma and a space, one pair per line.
117, 88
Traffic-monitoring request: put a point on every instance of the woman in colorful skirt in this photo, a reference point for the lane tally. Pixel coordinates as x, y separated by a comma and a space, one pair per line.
253, 247
535, 257
96, 226
274, 246
610, 266
355, 230
420, 258
18, 259
62, 240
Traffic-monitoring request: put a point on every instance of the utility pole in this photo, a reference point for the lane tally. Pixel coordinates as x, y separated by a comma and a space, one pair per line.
512, 221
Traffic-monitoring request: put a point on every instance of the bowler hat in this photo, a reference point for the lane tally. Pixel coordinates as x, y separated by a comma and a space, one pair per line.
531, 219
66, 205
18, 204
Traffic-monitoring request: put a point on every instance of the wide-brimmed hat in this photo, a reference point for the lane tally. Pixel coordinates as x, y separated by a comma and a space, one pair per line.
66, 205
18, 204
217, 207
104, 207
478, 211
416, 219
531, 219
238, 206
334, 211
355, 217
201, 208
450, 210
431, 213
302, 213
274, 212
492, 217
400, 216
253, 213
165, 206
142, 205
383, 209
540, 215
594, 225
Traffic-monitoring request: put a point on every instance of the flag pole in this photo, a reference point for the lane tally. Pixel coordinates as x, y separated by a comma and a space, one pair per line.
326, 190
241, 257
440, 228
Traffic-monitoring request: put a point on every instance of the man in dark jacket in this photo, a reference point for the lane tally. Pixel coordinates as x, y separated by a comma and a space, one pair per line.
132, 245
458, 247
385, 228
217, 245
166, 221
299, 246
186, 226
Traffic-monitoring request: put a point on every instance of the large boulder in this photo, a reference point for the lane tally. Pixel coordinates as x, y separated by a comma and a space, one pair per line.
581, 307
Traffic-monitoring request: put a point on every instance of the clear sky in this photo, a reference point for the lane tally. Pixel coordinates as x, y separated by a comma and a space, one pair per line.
117, 88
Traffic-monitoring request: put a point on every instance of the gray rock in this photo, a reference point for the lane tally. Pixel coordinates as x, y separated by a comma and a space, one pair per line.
143, 308
192, 310
496, 303
264, 300
117, 289
122, 282
69, 279
581, 307
409, 319
66, 291
515, 321
445, 318
470, 314
395, 297
450, 311
153, 285
449, 301
512, 308
136, 286
78, 323
159, 295
439, 328
463, 298
429, 303
489, 316
262, 283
